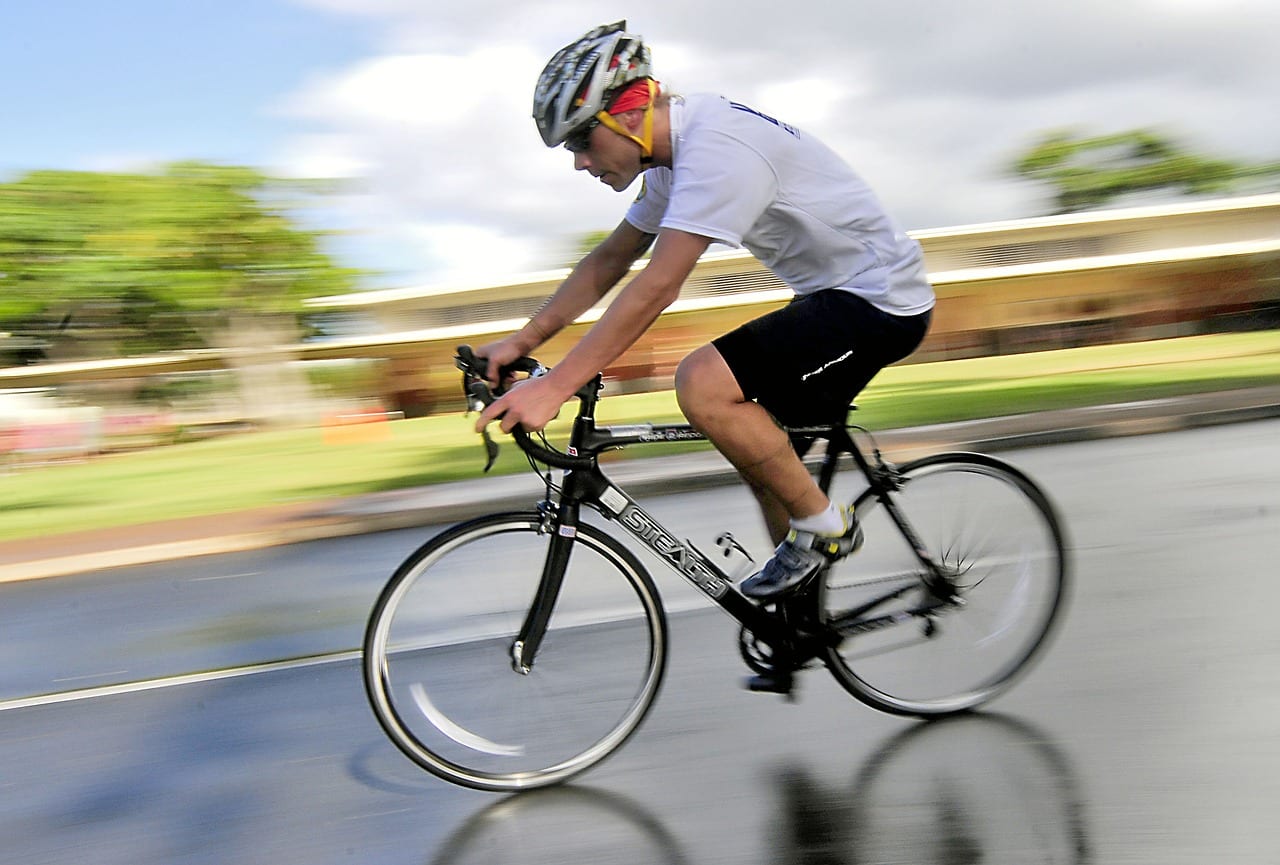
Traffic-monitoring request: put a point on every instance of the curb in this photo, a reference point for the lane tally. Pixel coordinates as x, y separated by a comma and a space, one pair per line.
452, 502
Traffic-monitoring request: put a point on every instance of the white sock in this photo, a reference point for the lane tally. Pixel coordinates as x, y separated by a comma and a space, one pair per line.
829, 522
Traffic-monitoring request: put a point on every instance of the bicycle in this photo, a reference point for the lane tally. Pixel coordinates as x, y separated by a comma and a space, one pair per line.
553, 661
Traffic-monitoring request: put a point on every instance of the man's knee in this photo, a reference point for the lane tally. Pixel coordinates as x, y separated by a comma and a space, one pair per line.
702, 379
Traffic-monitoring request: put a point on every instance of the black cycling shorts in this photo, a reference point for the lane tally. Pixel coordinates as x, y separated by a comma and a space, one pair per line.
807, 361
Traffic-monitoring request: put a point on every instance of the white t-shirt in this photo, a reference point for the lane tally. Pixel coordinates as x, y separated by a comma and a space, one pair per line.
745, 179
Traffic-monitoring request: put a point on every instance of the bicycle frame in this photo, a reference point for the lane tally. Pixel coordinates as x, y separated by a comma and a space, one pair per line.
585, 484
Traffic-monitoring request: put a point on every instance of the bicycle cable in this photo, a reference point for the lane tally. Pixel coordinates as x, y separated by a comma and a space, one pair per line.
545, 475
878, 460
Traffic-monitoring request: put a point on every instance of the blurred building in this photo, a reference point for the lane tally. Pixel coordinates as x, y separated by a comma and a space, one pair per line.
1024, 285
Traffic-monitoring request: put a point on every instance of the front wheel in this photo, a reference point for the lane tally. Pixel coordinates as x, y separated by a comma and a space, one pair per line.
1001, 550
438, 654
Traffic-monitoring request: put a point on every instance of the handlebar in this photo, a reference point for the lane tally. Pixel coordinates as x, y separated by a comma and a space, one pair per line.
480, 394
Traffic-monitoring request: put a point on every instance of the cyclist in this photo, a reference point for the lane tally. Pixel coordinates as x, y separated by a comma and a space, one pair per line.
716, 171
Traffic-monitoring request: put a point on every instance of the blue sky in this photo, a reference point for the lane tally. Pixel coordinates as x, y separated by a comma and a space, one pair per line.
422, 106
86, 82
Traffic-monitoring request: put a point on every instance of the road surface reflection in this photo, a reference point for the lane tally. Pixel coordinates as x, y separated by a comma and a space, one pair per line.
974, 788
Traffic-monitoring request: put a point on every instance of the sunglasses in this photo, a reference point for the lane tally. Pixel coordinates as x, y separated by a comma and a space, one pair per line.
579, 141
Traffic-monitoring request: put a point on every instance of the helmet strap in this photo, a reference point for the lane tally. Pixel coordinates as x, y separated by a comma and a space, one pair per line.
645, 139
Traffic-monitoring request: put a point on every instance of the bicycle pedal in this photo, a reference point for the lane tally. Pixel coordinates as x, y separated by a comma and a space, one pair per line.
771, 683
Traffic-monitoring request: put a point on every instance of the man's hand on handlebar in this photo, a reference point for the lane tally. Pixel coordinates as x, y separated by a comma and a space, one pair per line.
500, 353
527, 407
532, 403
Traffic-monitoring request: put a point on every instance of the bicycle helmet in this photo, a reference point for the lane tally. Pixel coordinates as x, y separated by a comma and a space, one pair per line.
581, 80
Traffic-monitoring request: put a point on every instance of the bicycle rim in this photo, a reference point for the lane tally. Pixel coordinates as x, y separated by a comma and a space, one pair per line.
1001, 544
438, 664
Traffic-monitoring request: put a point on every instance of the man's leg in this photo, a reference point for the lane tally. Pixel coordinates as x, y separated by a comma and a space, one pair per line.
805, 361
809, 531
746, 434
776, 519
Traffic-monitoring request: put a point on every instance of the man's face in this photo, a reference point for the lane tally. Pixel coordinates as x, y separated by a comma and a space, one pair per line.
613, 159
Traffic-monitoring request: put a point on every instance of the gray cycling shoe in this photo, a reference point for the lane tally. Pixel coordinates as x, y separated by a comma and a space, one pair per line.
800, 556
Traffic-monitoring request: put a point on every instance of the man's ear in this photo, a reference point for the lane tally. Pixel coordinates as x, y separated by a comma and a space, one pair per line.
632, 121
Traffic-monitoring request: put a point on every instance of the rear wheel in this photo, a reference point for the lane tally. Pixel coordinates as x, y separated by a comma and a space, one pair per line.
438, 655
1001, 548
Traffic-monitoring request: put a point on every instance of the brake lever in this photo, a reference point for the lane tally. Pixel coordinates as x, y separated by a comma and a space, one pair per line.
480, 395
490, 450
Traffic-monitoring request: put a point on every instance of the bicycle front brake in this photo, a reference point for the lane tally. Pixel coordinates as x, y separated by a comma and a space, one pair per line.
480, 396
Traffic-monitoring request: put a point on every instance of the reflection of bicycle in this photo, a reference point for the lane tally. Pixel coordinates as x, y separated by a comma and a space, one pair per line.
518, 649
972, 788
563, 824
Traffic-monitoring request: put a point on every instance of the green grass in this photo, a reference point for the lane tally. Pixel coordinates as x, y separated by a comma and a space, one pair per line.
268, 468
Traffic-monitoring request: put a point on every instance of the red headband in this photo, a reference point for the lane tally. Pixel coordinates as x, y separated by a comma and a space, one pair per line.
634, 95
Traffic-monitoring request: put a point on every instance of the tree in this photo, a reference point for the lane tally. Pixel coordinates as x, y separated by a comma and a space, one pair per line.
194, 256
155, 262
1089, 172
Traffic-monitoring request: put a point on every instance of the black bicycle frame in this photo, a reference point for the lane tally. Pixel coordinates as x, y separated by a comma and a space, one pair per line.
585, 484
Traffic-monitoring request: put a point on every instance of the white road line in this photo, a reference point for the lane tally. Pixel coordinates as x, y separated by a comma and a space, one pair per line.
694, 603
174, 681
377, 814
224, 577
90, 676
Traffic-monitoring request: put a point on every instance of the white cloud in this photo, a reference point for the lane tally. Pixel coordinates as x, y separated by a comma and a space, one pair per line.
332, 155
928, 101
477, 251
443, 142
803, 101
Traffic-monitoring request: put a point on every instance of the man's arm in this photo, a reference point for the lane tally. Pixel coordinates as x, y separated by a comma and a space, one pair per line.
598, 272
535, 402
634, 310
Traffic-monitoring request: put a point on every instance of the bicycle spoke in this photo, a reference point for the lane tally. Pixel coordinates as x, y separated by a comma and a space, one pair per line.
999, 547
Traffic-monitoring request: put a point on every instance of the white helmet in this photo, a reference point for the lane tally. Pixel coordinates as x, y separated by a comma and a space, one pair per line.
583, 77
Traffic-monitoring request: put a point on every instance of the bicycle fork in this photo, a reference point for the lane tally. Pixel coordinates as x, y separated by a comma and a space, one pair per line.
529, 639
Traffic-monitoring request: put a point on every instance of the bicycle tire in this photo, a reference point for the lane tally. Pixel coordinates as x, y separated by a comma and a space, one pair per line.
437, 655
997, 534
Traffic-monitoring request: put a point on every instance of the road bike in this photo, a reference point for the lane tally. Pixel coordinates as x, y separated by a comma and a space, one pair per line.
518, 649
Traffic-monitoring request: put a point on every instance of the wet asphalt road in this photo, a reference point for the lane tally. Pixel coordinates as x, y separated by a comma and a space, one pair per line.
1148, 732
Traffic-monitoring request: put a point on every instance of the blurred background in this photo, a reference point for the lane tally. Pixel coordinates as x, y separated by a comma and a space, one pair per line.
240, 241
285, 215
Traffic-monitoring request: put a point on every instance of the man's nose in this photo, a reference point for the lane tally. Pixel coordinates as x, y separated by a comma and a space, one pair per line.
581, 161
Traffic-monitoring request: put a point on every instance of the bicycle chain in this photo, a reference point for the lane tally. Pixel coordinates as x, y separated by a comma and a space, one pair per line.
875, 581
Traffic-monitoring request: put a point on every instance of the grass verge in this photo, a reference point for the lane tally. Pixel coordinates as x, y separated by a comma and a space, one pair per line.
271, 468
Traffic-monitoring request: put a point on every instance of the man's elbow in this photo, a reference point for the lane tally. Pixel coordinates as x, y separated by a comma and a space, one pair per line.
663, 289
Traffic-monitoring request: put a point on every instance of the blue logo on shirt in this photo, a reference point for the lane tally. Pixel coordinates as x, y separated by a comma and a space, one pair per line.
778, 123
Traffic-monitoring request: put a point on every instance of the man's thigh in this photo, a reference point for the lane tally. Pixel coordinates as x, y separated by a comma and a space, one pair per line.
807, 361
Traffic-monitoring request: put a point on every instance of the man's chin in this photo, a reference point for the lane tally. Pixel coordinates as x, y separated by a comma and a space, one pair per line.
620, 183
